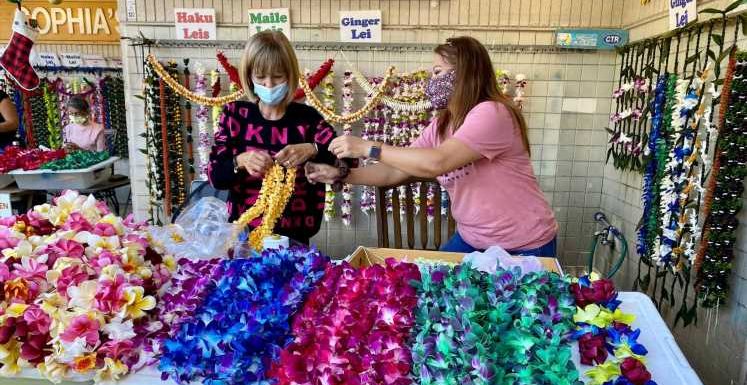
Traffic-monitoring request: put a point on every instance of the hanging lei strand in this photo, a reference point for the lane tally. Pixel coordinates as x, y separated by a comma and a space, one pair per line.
188, 125
202, 116
103, 88
53, 118
176, 143
328, 98
649, 179
214, 113
722, 222
519, 90
153, 143
39, 117
346, 208
28, 120
685, 101
165, 150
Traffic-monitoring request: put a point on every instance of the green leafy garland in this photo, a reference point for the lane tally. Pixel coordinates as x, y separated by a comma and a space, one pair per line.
39, 119
115, 100
153, 144
54, 129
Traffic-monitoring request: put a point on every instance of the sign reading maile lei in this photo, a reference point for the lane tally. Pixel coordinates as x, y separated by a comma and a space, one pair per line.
195, 23
276, 19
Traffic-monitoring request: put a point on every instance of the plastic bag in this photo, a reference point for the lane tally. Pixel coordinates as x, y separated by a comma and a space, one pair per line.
202, 231
489, 260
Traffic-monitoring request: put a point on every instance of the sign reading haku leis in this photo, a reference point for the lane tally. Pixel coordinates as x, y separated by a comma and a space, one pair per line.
195, 23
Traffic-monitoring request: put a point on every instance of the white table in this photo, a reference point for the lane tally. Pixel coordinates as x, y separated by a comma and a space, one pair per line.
665, 360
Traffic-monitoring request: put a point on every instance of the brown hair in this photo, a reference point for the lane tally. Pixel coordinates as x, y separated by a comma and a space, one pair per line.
474, 82
267, 52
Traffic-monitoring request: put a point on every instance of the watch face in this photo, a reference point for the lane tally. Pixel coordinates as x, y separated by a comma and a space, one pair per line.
375, 152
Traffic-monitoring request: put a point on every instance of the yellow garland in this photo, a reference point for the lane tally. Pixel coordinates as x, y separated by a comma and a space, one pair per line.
331, 116
187, 94
276, 190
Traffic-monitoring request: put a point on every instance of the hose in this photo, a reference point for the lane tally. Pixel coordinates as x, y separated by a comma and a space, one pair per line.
618, 263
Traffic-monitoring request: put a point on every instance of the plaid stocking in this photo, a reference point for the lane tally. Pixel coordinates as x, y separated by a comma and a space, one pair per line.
15, 59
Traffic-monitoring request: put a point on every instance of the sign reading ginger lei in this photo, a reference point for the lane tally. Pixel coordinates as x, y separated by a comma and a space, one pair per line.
71, 21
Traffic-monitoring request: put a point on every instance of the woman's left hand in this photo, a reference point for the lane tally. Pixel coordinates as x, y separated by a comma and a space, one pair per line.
348, 146
294, 155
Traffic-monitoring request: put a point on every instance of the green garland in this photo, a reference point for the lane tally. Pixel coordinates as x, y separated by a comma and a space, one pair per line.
39, 119
153, 144
54, 128
115, 101
77, 160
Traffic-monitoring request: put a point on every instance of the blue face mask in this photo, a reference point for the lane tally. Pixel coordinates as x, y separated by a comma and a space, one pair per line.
271, 96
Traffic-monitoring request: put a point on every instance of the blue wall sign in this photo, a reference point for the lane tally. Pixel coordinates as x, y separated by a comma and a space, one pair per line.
591, 38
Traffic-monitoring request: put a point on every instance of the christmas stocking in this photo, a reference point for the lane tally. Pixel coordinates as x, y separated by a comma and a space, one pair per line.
15, 59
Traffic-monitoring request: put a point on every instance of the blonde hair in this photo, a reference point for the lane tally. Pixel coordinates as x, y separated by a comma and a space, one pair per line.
269, 52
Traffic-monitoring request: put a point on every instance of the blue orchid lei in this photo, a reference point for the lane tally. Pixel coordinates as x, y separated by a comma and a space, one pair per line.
245, 321
649, 178
477, 328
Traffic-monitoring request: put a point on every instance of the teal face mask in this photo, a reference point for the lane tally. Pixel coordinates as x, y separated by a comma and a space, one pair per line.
271, 96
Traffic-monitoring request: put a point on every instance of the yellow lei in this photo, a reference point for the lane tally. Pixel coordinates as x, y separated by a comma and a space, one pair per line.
276, 190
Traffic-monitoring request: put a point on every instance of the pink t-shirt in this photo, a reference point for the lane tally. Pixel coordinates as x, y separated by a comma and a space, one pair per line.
89, 137
495, 200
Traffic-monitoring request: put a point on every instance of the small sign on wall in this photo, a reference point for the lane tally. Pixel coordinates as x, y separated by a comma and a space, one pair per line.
360, 26
681, 13
97, 61
71, 59
276, 19
591, 38
5, 209
48, 59
195, 23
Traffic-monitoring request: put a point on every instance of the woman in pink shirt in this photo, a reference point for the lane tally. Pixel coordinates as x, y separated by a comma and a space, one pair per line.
477, 148
82, 133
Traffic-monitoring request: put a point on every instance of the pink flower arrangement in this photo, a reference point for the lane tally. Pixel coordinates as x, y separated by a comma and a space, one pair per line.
80, 298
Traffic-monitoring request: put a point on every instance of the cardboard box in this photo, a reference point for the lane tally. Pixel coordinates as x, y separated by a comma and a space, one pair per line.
367, 256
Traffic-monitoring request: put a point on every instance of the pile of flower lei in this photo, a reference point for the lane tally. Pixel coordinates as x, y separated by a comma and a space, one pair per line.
15, 157
77, 160
602, 329
245, 320
492, 328
79, 285
182, 296
716, 252
353, 328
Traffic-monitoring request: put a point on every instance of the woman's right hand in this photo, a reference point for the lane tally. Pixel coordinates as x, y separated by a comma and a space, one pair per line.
321, 173
256, 163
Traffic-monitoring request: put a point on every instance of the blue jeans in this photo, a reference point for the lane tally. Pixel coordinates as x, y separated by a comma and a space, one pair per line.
457, 245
